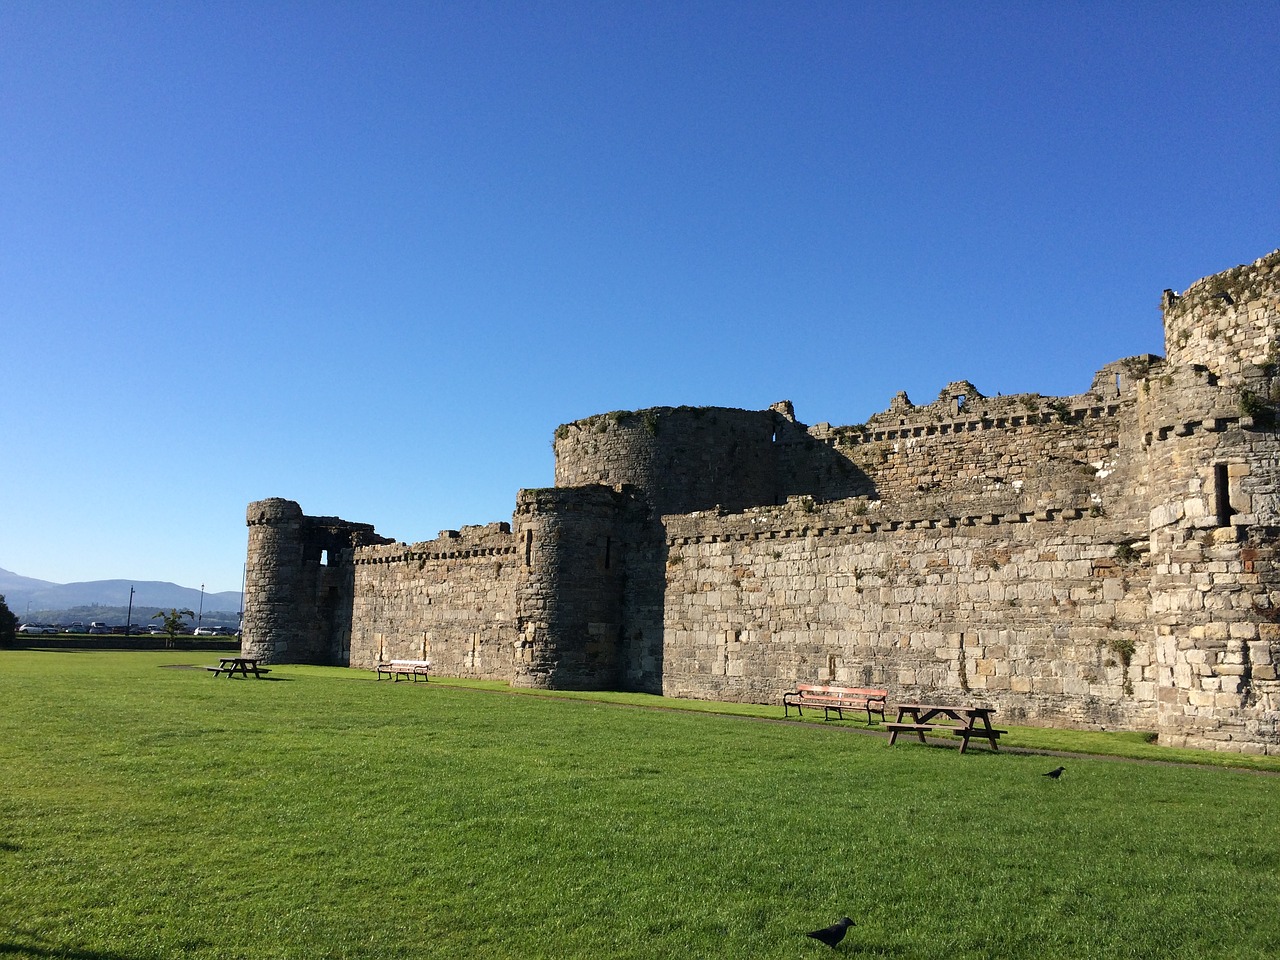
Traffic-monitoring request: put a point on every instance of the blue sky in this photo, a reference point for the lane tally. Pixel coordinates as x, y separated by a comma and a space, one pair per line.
367, 256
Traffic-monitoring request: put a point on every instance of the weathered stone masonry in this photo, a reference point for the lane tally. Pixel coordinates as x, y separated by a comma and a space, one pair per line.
1104, 559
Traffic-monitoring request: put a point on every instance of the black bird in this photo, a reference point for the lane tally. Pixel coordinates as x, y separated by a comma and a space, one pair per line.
833, 934
1054, 773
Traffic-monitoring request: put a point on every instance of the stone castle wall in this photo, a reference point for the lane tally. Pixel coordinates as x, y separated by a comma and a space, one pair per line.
1009, 450
299, 589
1107, 559
679, 459
451, 600
1227, 322
1033, 613
1208, 424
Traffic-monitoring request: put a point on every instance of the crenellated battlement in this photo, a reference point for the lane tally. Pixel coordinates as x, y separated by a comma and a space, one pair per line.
469, 543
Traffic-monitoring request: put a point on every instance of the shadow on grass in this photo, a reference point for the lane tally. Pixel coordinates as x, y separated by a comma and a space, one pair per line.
199, 666
29, 949
259, 679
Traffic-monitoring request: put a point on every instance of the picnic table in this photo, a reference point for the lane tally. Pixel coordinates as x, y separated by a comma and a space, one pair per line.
965, 721
231, 666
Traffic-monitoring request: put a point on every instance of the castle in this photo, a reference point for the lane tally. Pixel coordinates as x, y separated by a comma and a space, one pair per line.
1108, 559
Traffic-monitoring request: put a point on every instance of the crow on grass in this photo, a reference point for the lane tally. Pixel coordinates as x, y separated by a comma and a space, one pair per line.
833, 934
1055, 774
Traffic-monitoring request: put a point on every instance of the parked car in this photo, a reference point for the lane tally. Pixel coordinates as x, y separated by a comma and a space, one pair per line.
53, 630
76, 627
207, 632
97, 627
31, 628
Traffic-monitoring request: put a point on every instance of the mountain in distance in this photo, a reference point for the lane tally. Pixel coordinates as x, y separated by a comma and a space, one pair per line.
148, 595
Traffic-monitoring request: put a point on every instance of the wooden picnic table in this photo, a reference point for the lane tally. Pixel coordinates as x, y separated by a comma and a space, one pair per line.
238, 665
964, 720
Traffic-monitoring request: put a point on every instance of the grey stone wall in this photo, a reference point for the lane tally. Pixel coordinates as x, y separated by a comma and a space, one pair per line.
298, 584
451, 600
1031, 612
1226, 322
682, 459
1106, 559
1208, 424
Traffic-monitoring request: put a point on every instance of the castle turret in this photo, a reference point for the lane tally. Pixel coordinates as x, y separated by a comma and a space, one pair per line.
298, 584
1208, 422
572, 545
679, 459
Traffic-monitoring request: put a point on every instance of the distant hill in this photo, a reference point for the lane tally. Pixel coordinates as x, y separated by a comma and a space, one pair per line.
148, 597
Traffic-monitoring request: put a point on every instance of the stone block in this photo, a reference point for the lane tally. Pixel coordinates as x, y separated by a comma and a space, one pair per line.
1243, 631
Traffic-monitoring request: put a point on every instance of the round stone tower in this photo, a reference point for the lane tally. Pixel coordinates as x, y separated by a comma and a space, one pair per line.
571, 545
299, 584
679, 459
1207, 420
272, 621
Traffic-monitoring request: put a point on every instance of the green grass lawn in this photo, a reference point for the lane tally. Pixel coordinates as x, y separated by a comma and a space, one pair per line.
151, 811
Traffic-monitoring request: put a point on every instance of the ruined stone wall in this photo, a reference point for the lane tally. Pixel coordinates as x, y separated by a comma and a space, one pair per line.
1035, 615
1111, 558
678, 459
1026, 450
1208, 425
298, 583
1226, 322
451, 600
961, 448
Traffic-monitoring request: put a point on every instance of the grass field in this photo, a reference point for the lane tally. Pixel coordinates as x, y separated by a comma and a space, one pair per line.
148, 810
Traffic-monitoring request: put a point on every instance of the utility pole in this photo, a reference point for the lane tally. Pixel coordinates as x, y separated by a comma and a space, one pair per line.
128, 620
200, 615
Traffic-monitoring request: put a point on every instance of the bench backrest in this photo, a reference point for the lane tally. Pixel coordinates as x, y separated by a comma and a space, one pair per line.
860, 693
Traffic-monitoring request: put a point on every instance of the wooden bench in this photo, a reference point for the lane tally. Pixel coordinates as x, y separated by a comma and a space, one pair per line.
917, 728
965, 732
990, 734
393, 670
836, 699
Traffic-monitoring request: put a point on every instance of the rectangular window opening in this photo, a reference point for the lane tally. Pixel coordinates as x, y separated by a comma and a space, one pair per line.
1222, 494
